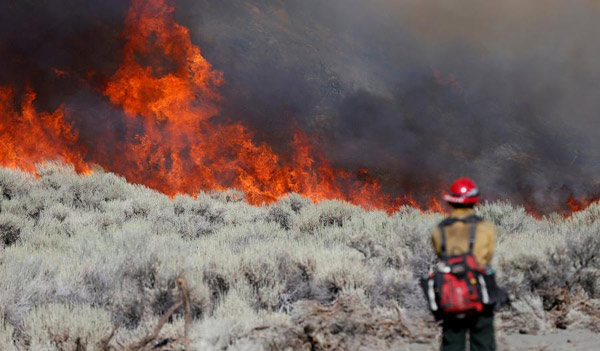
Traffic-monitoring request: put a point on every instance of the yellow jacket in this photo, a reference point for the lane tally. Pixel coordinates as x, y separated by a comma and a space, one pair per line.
457, 238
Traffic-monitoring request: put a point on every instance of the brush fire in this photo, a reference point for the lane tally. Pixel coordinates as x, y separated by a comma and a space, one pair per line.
302, 174
169, 93
171, 133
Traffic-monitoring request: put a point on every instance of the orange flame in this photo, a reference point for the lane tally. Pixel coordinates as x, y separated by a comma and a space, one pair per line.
166, 81
576, 205
28, 137
169, 94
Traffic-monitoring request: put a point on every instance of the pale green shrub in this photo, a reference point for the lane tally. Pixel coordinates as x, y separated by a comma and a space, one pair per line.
226, 196
7, 336
572, 261
10, 229
329, 213
529, 311
591, 216
294, 202
14, 183
281, 215
65, 327
96, 240
507, 218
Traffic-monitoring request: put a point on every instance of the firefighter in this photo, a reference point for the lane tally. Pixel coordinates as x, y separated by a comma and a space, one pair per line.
459, 228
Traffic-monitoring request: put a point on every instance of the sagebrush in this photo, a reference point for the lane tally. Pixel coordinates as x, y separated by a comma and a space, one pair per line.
84, 255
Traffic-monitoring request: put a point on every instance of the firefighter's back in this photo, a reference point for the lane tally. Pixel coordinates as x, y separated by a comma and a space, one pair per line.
458, 235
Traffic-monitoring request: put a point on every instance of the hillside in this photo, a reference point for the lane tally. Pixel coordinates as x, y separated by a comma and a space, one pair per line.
92, 263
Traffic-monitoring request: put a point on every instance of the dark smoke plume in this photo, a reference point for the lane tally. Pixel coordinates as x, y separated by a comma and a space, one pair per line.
418, 91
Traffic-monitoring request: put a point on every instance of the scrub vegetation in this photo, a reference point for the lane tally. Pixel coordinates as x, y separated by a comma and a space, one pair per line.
92, 263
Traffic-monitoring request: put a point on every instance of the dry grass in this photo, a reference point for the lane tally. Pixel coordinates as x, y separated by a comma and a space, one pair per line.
81, 256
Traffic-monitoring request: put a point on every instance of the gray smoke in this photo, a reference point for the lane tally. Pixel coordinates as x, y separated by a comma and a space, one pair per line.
421, 91
418, 91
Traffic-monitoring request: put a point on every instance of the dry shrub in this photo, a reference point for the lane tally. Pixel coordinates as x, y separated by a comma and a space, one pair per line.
571, 264
280, 215
14, 183
590, 217
554, 288
583, 251
225, 196
347, 325
97, 241
10, 229
7, 336
391, 287
328, 213
294, 202
527, 315
507, 218
62, 327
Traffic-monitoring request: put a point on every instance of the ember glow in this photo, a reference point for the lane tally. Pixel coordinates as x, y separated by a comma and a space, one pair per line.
169, 93
576, 205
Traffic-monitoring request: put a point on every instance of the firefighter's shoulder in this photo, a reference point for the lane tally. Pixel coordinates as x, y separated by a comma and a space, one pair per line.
486, 227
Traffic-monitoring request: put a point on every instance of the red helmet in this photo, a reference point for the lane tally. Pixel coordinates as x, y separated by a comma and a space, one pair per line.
463, 191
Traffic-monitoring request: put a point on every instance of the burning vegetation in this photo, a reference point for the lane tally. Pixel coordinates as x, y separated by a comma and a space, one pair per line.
168, 92
28, 136
162, 115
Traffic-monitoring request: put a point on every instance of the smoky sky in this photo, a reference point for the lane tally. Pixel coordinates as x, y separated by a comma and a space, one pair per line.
418, 91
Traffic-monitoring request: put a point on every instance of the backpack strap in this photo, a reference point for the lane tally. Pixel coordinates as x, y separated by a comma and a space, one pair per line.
473, 220
443, 232
472, 237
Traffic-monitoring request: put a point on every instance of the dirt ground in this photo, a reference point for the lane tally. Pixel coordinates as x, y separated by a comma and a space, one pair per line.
349, 325
562, 340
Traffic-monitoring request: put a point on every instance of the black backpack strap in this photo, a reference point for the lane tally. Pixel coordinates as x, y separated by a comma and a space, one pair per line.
472, 237
449, 221
443, 224
473, 220
443, 233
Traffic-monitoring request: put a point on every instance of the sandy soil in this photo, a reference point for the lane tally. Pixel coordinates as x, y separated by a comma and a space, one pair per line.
571, 340
559, 340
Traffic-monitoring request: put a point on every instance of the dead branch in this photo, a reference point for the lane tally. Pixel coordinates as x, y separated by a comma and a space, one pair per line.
142, 343
185, 294
103, 343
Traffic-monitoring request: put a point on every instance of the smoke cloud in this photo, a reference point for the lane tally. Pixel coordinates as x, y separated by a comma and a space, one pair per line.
417, 91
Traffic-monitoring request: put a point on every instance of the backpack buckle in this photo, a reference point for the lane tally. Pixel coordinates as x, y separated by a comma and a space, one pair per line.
458, 269
443, 267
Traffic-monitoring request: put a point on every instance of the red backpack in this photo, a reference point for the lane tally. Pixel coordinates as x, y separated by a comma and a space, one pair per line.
456, 287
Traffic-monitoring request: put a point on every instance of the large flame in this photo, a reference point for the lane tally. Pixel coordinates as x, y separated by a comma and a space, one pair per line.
165, 79
169, 93
28, 137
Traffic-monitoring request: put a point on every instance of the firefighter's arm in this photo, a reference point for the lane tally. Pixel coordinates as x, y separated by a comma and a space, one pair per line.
436, 241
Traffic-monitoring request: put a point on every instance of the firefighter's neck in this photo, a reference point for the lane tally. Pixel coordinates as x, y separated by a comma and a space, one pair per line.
462, 212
